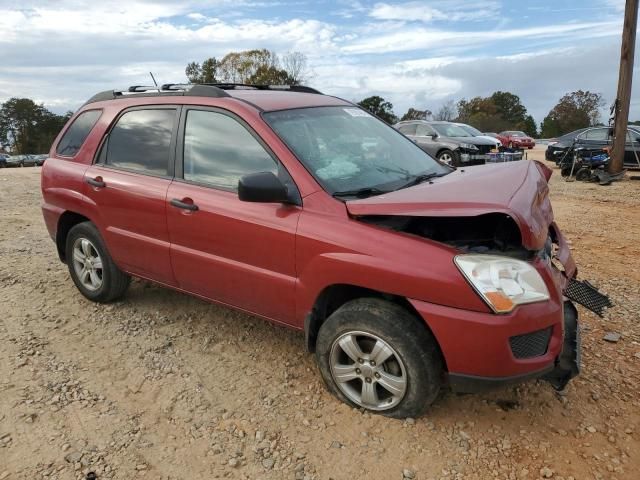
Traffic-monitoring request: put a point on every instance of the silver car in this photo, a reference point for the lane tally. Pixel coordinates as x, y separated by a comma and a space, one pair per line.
447, 142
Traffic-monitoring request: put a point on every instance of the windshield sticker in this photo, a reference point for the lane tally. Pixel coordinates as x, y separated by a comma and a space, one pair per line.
356, 112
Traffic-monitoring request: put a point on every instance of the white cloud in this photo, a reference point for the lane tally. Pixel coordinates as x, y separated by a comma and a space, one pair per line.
409, 38
62, 53
452, 10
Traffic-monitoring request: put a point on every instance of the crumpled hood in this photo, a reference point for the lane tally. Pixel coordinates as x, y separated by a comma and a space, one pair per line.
518, 189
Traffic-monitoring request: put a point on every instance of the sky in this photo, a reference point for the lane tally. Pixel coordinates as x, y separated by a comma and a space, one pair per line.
413, 53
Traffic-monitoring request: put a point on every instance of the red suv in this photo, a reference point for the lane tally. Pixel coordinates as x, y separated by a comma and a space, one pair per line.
405, 275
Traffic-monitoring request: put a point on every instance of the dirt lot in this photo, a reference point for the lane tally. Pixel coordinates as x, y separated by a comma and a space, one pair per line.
162, 385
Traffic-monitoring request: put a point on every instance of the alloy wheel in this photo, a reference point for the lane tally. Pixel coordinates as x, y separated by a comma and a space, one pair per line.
87, 264
368, 370
446, 158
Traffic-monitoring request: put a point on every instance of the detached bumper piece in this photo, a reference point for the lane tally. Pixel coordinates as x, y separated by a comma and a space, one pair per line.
568, 362
588, 296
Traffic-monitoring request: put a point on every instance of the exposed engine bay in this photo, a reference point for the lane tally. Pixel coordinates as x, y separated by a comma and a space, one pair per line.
489, 233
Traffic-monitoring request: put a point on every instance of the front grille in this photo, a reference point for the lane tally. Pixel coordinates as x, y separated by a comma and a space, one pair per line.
484, 149
532, 344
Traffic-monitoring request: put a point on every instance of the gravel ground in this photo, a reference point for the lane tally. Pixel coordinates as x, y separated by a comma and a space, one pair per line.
166, 386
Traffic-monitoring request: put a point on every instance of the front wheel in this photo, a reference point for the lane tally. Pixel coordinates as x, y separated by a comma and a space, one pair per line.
375, 355
91, 267
447, 157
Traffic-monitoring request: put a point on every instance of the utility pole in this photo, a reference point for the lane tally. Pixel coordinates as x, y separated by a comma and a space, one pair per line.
625, 79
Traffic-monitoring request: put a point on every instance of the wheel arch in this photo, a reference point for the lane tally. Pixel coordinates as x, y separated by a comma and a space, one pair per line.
66, 222
334, 296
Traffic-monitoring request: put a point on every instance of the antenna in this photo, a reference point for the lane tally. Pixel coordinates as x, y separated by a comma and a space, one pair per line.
154, 79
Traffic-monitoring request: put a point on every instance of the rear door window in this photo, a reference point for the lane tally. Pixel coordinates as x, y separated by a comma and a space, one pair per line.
141, 141
597, 135
77, 133
409, 129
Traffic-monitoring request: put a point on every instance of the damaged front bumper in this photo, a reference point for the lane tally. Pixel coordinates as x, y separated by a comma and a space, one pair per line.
567, 364
526, 345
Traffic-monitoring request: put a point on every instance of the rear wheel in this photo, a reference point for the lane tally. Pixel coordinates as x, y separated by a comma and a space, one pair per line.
565, 172
375, 355
91, 267
584, 175
447, 157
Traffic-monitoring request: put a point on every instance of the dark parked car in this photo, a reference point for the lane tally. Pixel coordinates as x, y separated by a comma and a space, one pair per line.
21, 161
406, 276
448, 142
595, 138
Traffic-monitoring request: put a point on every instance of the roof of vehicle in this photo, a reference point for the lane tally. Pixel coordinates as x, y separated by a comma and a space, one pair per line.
264, 97
280, 100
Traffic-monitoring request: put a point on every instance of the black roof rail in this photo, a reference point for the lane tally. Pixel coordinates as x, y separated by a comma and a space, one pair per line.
168, 89
245, 86
215, 90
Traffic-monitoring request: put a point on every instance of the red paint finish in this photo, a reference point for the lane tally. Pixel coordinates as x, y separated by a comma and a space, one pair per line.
513, 141
275, 260
518, 189
235, 252
133, 220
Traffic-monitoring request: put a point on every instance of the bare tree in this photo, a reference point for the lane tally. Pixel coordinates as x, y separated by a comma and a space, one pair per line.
295, 64
447, 112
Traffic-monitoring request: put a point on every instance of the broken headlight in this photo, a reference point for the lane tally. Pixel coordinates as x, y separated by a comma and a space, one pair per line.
468, 146
502, 282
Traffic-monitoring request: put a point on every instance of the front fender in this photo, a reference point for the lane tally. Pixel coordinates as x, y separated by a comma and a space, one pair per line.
443, 286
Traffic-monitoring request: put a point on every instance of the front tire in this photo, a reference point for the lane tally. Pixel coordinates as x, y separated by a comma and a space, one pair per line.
91, 267
447, 157
375, 355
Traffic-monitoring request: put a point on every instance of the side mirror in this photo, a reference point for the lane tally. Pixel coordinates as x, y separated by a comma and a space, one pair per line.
262, 187
434, 136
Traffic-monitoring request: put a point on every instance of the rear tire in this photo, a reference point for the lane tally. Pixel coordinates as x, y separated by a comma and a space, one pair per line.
398, 367
565, 172
584, 175
91, 267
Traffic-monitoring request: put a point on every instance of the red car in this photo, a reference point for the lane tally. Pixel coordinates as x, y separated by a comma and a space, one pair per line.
406, 276
516, 139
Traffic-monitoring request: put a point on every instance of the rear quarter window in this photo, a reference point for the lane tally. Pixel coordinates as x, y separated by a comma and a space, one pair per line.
77, 133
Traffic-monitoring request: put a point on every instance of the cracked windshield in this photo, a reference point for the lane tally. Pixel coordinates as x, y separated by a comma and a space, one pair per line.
349, 151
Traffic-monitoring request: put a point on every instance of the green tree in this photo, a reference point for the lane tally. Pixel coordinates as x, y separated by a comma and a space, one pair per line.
28, 127
498, 112
205, 73
379, 107
509, 107
575, 110
257, 67
414, 114
529, 126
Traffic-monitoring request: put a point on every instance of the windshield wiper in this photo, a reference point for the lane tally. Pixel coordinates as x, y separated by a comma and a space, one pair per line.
360, 192
422, 178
